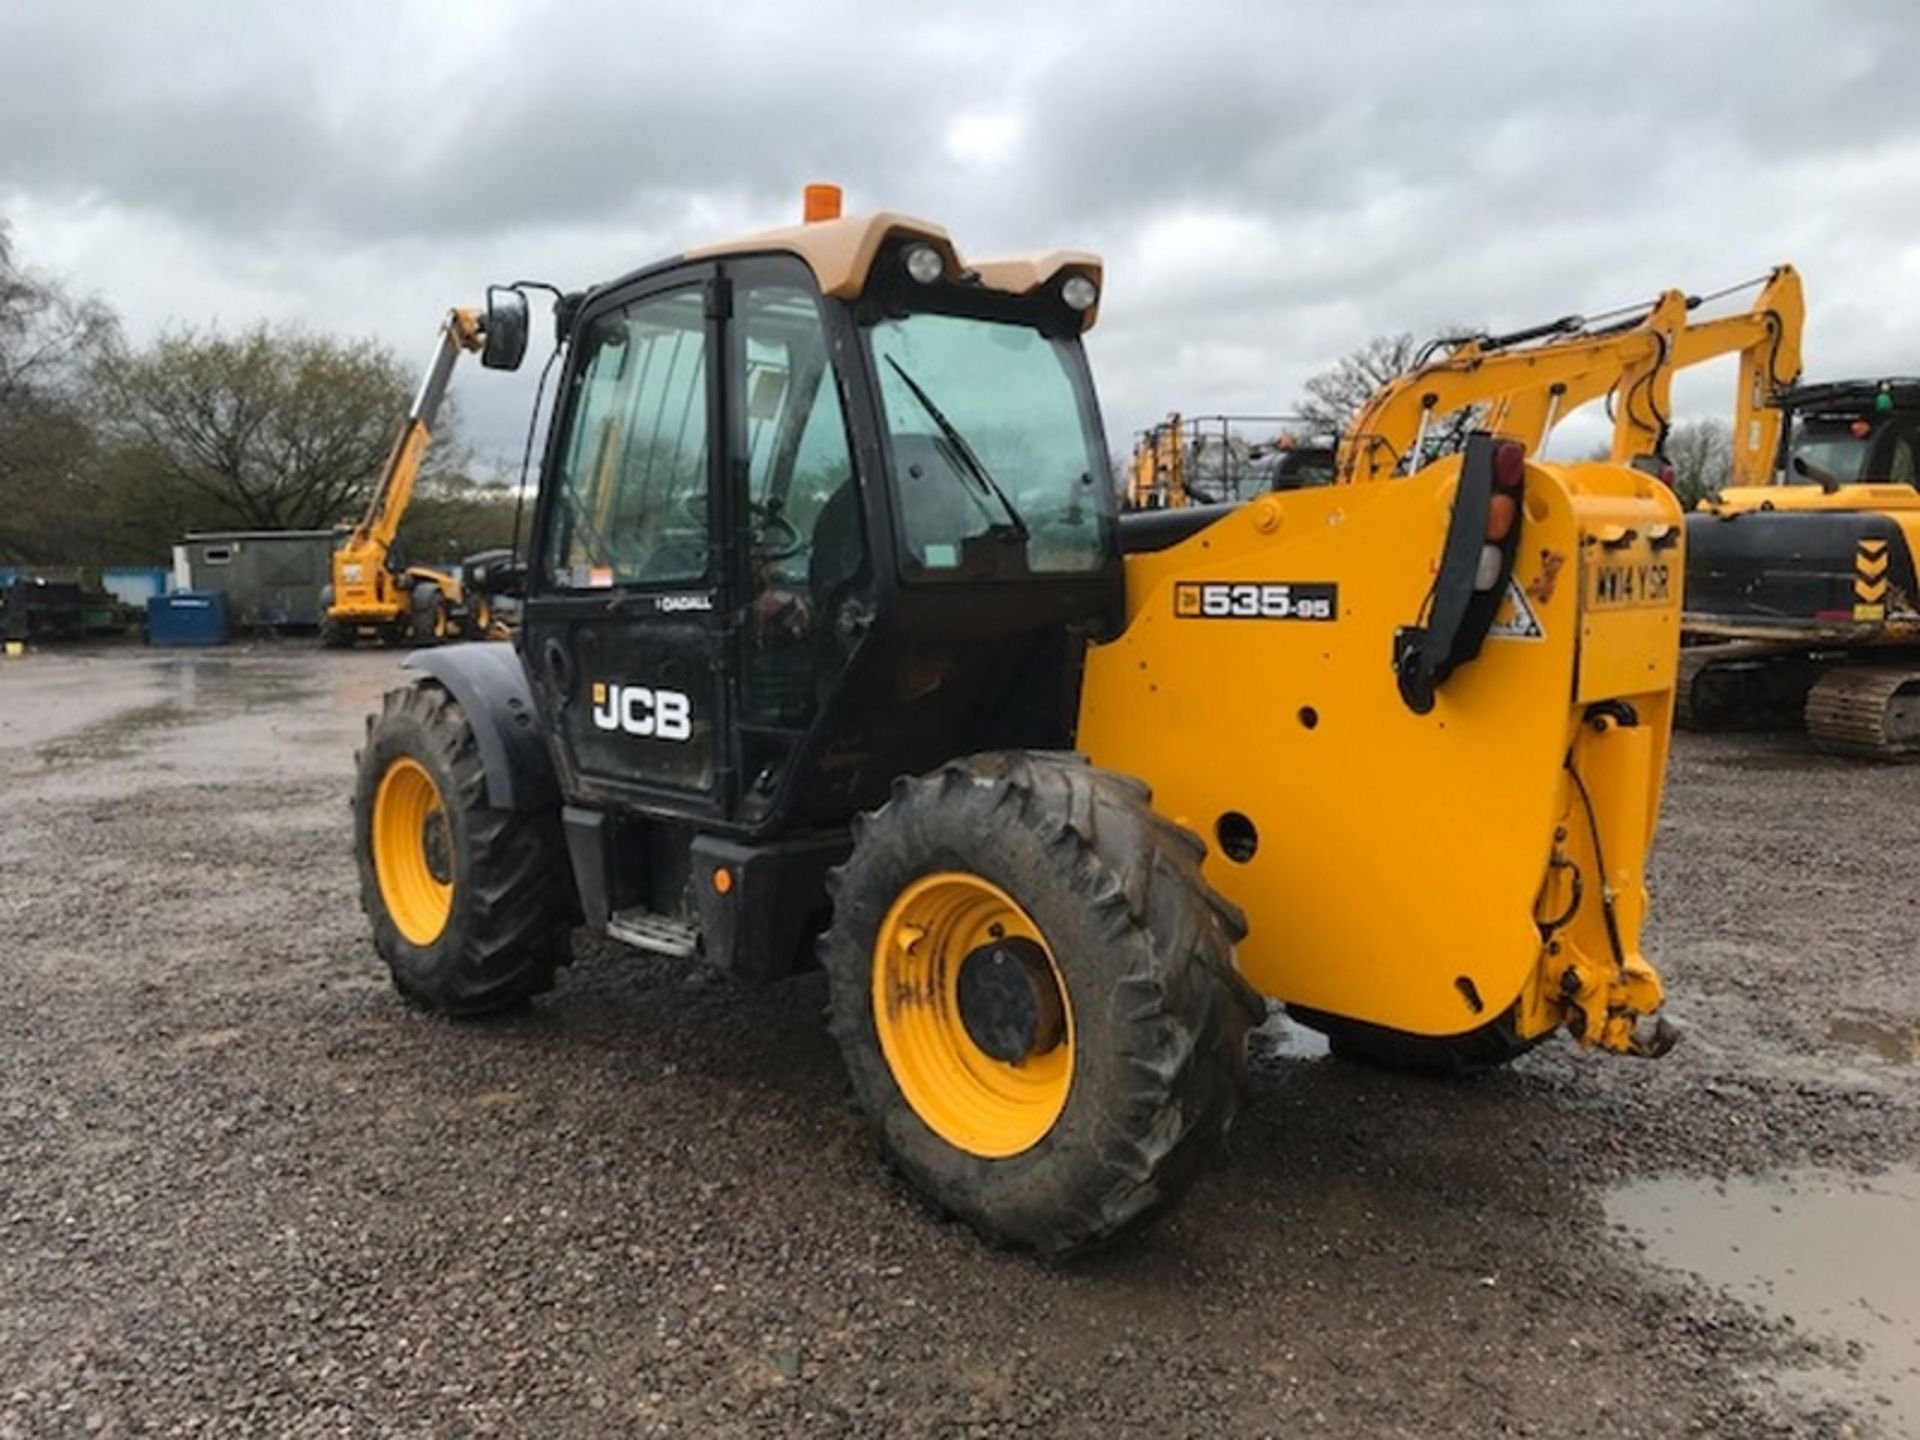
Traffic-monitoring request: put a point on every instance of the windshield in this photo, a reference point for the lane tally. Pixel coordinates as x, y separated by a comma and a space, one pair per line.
1828, 452
993, 442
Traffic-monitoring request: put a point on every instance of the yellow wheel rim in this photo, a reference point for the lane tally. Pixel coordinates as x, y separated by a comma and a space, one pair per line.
413, 851
986, 1106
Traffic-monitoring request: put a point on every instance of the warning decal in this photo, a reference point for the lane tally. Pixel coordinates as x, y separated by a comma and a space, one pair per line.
1515, 619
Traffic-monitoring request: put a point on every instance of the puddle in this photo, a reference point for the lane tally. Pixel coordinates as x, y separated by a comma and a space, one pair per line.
113, 738
1282, 1039
1836, 1256
1892, 1039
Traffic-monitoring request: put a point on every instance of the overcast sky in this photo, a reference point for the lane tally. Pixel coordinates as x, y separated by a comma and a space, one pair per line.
1270, 184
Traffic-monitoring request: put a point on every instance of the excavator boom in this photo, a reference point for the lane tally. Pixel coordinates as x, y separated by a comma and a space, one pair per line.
1767, 340
1527, 382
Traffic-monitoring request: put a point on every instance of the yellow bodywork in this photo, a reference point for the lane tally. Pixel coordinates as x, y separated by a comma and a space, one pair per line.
1767, 340
1417, 871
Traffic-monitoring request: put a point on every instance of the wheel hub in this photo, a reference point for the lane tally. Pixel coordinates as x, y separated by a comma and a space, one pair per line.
1009, 1000
436, 844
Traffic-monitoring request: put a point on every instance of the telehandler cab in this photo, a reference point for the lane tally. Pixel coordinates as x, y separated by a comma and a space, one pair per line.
826, 589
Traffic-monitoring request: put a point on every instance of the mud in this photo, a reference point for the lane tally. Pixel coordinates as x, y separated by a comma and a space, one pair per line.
243, 1190
1833, 1255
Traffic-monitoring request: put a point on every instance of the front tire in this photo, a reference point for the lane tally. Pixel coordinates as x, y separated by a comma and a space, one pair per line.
1034, 993
432, 619
468, 902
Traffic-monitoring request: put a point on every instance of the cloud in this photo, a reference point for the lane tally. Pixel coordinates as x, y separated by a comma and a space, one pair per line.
1270, 185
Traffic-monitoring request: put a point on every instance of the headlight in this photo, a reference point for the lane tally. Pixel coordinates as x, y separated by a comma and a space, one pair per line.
1079, 292
924, 264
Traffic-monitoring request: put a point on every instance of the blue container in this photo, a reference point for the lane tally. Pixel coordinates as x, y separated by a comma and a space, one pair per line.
189, 617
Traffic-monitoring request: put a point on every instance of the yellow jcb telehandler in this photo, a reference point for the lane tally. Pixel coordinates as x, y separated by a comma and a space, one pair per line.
834, 650
372, 594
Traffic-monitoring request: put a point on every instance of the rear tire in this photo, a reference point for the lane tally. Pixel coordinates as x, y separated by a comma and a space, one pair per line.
1140, 948
1453, 1057
336, 636
469, 903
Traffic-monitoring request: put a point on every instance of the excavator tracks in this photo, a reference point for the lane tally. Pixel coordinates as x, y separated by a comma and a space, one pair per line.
1742, 685
1870, 712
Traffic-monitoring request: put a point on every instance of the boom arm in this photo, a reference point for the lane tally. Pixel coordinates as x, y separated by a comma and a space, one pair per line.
460, 331
1767, 339
1526, 390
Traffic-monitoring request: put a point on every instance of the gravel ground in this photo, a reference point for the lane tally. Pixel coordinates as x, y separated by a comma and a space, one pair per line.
244, 1190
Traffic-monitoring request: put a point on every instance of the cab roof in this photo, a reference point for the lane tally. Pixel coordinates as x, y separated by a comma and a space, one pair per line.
841, 254
1852, 397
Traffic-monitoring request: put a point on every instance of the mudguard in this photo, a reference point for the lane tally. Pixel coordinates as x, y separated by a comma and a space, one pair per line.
486, 678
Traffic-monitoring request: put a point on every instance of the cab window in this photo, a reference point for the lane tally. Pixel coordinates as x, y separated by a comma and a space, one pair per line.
631, 507
805, 545
994, 441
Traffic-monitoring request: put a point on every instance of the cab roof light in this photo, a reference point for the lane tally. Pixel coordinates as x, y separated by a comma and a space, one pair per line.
820, 202
923, 263
1079, 292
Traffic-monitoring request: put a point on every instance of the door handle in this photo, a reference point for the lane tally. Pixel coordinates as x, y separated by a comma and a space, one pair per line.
560, 667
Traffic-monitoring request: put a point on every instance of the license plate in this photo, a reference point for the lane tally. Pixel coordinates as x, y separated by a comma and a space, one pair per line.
1631, 582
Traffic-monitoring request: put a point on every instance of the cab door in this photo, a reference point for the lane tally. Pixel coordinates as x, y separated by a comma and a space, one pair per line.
624, 634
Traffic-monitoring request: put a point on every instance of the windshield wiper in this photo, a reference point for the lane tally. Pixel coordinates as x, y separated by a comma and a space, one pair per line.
1016, 527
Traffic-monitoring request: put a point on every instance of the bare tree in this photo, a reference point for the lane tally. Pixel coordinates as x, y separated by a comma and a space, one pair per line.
49, 339
1701, 453
1332, 398
278, 428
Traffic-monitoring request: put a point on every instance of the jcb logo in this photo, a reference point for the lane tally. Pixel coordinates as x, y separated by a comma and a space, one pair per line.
640, 710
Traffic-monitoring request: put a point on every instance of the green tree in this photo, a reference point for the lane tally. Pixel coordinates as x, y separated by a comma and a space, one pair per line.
273, 428
49, 342
454, 515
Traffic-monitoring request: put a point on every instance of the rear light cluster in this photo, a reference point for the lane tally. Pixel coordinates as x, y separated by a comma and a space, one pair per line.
1503, 511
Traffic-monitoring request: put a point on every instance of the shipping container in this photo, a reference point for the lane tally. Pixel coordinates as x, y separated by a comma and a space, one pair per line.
189, 617
272, 578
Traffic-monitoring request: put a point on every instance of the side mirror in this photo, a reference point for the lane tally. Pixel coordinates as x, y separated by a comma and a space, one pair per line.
496, 572
506, 329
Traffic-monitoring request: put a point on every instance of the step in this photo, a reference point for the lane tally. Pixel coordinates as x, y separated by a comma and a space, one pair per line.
657, 934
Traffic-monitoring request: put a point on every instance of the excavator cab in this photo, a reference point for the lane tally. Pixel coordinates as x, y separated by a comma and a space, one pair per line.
1863, 433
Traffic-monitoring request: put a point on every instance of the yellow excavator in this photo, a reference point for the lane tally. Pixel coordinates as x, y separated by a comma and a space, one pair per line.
834, 650
1801, 573
372, 595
